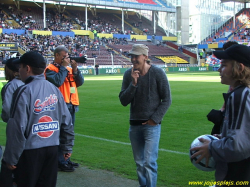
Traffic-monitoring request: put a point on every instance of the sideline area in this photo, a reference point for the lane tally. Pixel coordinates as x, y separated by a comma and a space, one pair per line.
85, 177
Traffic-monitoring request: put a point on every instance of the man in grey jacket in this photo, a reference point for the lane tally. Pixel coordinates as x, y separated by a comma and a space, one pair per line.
146, 88
38, 124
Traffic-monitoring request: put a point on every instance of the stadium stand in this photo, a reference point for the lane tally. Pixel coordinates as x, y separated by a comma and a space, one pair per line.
105, 51
241, 21
32, 18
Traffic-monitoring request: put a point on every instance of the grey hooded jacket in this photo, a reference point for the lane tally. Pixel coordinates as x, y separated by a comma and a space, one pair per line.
39, 118
234, 146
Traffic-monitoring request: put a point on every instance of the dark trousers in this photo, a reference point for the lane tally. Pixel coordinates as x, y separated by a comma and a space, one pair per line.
61, 160
37, 168
6, 176
238, 171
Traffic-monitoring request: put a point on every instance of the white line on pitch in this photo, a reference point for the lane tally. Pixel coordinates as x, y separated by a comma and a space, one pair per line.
124, 143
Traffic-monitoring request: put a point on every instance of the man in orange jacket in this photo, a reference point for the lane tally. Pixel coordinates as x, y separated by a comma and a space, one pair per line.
67, 79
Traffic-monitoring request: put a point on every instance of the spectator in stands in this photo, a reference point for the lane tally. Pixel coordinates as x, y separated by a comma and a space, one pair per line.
94, 55
133, 39
201, 54
215, 37
1, 54
148, 104
140, 23
180, 48
204, 53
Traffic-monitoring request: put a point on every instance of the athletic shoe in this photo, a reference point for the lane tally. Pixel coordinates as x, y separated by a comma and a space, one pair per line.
66, 167
75, 165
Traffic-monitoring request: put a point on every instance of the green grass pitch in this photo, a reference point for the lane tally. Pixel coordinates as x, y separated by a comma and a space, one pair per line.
102, 125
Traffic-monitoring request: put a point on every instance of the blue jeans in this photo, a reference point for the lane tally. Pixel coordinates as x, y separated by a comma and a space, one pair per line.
145, 145
72, 111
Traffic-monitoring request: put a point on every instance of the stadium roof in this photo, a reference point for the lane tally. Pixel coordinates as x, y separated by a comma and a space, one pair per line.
240, 1
125, 4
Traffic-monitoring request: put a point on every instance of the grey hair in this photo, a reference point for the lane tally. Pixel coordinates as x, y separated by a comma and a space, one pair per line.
59, 49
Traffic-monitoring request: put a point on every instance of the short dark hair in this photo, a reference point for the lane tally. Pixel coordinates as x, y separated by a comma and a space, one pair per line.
59, 49
229, 44
9, 74
35, 70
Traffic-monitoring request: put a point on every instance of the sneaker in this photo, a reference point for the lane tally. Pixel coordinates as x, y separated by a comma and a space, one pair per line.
75, 165
66, 167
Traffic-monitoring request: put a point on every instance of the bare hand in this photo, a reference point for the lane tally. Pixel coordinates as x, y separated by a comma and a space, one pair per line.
73, 65
65, 61
67, 156
150, 122
135, 74
11, 167
217, 135
202, 150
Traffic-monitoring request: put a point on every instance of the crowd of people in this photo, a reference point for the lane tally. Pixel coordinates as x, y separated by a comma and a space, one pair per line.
77, 46
238, 31
61, 21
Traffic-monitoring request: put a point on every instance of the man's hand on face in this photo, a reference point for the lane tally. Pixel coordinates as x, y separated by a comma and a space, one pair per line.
73, 65
65, 61
135, 74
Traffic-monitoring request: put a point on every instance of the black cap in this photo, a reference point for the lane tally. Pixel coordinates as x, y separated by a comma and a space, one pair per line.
237, 52
33, 59
10, 63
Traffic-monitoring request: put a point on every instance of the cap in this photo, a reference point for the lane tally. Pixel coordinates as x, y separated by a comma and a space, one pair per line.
139, 49
10, 63
237, 52
33, 59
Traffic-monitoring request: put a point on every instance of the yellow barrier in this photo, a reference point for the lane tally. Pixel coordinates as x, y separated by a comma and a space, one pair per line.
139, 37
1, 30
213, 45
173, 38
81, 32
91, 35
172, 59
42, 32
105, 35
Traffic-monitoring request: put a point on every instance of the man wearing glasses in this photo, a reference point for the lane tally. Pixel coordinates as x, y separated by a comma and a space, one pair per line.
67, 79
